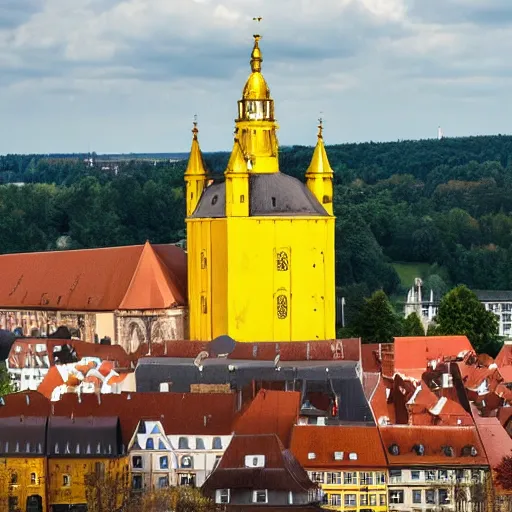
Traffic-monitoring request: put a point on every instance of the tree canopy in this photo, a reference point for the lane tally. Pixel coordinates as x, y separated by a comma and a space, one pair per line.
460, 312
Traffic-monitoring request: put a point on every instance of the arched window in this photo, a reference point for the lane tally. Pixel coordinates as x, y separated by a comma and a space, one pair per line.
216, 443
150, 445
183, 443
187, 462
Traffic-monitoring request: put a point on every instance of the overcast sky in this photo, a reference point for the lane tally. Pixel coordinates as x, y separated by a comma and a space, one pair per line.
129, 75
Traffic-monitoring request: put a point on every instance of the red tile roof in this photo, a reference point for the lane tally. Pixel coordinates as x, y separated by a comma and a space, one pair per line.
370, 357
271, 412
281, 470
132, 277
504, 358
324, 350
187, 413
495, 439
379, 402
433, 440
325, 441
412, 355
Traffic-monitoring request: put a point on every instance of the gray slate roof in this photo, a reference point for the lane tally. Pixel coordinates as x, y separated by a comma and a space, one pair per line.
341, 378
494, 295
269, 194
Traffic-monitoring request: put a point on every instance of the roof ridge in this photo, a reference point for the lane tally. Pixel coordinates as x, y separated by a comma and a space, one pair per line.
159, 272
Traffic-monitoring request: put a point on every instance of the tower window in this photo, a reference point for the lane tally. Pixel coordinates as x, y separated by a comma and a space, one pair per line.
242, 199
215, 198
273, 202
326, 199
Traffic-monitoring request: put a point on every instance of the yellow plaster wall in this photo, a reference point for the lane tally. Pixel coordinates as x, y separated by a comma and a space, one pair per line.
233, 271
24, 487
77, 469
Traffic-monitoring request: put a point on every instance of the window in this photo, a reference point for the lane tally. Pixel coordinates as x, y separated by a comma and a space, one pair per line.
183, 443
416, 496
163, 482
137, 462
187, 462
334, 478
382, 500
373, 500
396, 496
350, 500
395, 476
137, 482
430, 474
430, 497
33, 479
188, 479
290, 498
150, 444
459, 475
366, 478
161, 445
216, 443
350, 478
317, 477
381, 478
14, 478
260, 496
335, 500
444, 497
199, 444
164, 462
363, 499
66, 480
415, 475
222, 496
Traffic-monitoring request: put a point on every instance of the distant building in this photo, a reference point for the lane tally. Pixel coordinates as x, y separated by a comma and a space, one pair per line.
135, 295
500, 303
425, 309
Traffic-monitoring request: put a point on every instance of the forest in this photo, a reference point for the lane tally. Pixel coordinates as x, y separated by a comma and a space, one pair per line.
442, 206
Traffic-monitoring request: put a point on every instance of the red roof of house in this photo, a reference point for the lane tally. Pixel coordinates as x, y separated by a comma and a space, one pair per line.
433, 440
186, 413
133, 277
413, 354
504, 358
370, 357
324, 441
495, 439
271, 412
280, 471
379, 402
27, 347
320, 350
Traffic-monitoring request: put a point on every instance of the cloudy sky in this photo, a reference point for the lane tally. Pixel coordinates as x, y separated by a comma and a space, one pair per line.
129, 75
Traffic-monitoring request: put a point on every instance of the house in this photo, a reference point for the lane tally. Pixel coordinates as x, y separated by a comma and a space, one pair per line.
134, 295
23, 456
347, 461
165, 453
431, 467
256, 471
31, 359
80, 449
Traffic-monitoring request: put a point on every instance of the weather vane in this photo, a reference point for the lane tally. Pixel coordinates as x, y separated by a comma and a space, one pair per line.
320, 124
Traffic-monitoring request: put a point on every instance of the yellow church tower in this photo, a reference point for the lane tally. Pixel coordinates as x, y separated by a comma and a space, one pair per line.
260, 243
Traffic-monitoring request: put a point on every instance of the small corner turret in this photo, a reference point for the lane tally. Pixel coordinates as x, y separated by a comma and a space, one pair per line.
196, 174
319, 176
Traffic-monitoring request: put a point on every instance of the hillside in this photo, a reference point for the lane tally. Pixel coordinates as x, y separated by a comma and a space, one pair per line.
441, 205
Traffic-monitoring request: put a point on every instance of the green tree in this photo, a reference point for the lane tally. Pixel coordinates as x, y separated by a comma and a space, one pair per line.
412, 326
460, 312
6, 386
377, 321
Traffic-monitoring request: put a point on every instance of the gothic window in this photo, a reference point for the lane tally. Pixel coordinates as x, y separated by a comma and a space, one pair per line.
282, 307
282, 261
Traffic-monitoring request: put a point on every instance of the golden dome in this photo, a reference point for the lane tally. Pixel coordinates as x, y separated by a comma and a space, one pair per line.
256, 87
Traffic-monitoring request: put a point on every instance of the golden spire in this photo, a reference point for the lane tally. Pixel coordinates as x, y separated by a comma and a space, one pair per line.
256, 58
195, 165
237, 163
319, 162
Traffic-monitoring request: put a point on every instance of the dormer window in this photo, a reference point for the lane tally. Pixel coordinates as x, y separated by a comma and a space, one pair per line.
255, 461
260, 496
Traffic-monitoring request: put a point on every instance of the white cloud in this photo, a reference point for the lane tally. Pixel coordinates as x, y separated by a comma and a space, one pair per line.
369, 63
